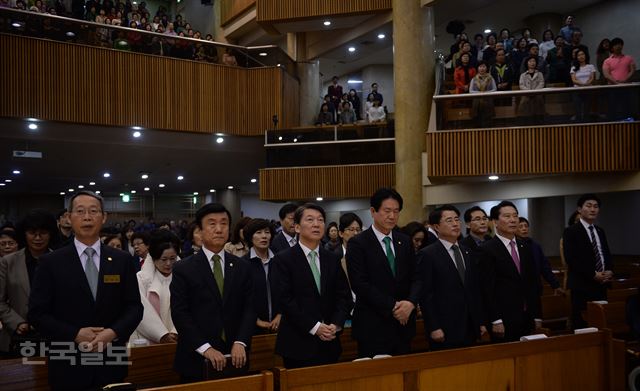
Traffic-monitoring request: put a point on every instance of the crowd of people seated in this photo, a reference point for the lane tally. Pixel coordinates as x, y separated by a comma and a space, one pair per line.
135, 16
210, 288
344, 108
504, 62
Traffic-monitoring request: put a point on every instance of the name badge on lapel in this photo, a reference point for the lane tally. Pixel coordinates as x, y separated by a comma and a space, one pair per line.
111, 278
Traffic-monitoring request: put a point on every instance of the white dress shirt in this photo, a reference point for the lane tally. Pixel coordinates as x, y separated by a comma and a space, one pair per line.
381, 237
290, 239
80, 247
448, 246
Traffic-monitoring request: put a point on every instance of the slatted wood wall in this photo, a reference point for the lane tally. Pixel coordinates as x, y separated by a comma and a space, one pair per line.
286, 10
307, 183
546, 150
81, 84
231, 9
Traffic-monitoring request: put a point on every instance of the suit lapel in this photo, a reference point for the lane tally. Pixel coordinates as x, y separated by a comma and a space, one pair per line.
76, 268
324, 271
507, 256
307, 268
449, 263
378, 248
106, 268
207, 273
229, 273
21, 272
397, 248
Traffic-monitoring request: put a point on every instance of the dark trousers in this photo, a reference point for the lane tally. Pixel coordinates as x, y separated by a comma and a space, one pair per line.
579, 299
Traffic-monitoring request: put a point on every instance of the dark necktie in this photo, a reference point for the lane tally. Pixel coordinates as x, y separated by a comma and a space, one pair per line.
91, 271
596, 251
457, 256
217, 273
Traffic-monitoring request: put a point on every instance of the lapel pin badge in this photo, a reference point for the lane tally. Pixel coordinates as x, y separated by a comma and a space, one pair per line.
231, 265
109, 259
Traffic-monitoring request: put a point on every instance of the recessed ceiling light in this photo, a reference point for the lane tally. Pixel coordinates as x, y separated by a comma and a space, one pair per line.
219, 134
80, 186
381, 36
319, 198
195, 193
137, 134
487, 31
2, 184
98, 192
254, 180
493, 177
351, 49
8, 180
146, 189
279, 138
106, 175
133, 192
92, 183
71, 190
262, 54
16, 24
180, 177
16, 172
136, 127
70, 34
230, 187
144, 176
219, 140
354, 81
62, 193
295, 140
161, 185
212, 190
31, 119
33, 126
327, 23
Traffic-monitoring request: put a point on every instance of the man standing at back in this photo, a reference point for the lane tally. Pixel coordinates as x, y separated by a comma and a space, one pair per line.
383, 275
211, 301
588, 257
314, 295
287, 237
508, 278
86, 295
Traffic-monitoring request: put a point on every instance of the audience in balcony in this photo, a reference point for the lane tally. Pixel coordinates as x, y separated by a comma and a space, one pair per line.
228, 58
376, 94
464, 73
519, 53
478, 47
376, 112
547, 43
506, 39
602, 53
355, 103
533, 50
576, 43
325, 117
526, 34
489, 51
465, 47
569, 27
619, 69
559, 60
532, 107
335, 91
582, 74
502, 72
482, 109
347, 114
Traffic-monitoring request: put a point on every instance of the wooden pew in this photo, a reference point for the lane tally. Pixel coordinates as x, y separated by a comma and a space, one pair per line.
623, 283
573, 362
620, 294
608, 316
261, 382
556, 310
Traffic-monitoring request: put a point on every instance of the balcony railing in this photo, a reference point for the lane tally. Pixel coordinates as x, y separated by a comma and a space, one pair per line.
59, 28
547, 106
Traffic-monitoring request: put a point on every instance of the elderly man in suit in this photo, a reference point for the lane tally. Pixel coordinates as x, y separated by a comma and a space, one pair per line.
38, 231
314, 295
451, 304
508, 278
287, 237
86, 294
211, 302
383, 275
588, 257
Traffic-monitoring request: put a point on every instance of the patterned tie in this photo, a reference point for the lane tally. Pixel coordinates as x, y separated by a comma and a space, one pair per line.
514, 255
457, 255
596, 251
217, 273
390, 257
314, 269
91, 271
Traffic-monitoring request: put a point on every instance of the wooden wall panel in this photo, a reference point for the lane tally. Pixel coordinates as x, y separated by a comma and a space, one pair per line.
544, 150
287, 10
82, 84
231, 9
307, 183
479, 376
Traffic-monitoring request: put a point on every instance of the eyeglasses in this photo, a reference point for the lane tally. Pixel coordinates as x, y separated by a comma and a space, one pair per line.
8, 243
476, 219
354, 229
92, 212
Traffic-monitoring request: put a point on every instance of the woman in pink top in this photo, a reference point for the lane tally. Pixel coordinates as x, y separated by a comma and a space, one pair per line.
618, 69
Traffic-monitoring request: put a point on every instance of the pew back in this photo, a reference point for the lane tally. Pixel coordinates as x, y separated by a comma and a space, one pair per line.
261, 382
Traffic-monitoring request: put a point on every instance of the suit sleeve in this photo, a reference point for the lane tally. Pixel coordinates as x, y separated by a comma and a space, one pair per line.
431, 321
488, 284
416, 280
9, 318
290, 307
41, 304
608, 260
545, 266
342, 297
248, 321
132, 310
181, 315
361, 284
573, 256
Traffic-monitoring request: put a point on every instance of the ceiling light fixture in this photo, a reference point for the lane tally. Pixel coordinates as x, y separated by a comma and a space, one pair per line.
230, 187
493, 177
136, 127
8, 180
319, 198
133, 192
212, 190
146, 189
327, 23
195, 193
80, 186
62, 193
16, 172
351, 49
70, 34
219, 140
92, 183
106, 175
71, 190
381, 36
2, 184
16, 24
137, 134
180, 177
262, 54
354, 81
33, 126
254, 180
98, 192
144, 176
487, 31
161, 185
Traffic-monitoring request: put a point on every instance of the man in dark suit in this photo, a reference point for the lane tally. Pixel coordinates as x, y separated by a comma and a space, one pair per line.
508, 278
314, 295
540, 261
451, 304
86, 294
382, 271
477, 224
211, 301
287, 237
588, 258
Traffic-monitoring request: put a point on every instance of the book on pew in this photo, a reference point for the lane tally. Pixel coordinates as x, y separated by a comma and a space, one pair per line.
377, 356
600, 302
532, 337
119, 387
586, 330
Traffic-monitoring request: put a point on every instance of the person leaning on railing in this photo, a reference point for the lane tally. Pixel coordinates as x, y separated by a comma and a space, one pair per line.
482, 108
582, 74
532, 107
618, 69
463, 74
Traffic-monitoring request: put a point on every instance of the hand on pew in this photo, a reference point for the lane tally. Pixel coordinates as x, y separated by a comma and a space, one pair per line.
437, 335
238, 355
498, 330
169, 338
275, 323
217, 359
603, 277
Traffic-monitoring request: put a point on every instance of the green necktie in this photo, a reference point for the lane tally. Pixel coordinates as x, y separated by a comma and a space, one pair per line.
217, 273
314, 269
390, 257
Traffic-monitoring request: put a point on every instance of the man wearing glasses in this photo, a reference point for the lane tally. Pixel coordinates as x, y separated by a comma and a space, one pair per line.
477, 224
85, 300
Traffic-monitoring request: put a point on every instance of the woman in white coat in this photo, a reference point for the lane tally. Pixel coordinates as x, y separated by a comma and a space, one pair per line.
153, 281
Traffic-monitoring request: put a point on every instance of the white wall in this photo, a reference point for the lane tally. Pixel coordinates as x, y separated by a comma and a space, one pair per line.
610, 19
200, 16
383, 75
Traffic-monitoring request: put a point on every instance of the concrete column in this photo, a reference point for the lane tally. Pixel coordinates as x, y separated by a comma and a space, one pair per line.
538, 23
231, 200
309, 76
413, 70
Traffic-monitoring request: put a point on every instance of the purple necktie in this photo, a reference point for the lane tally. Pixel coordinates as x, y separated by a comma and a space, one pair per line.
514, 255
